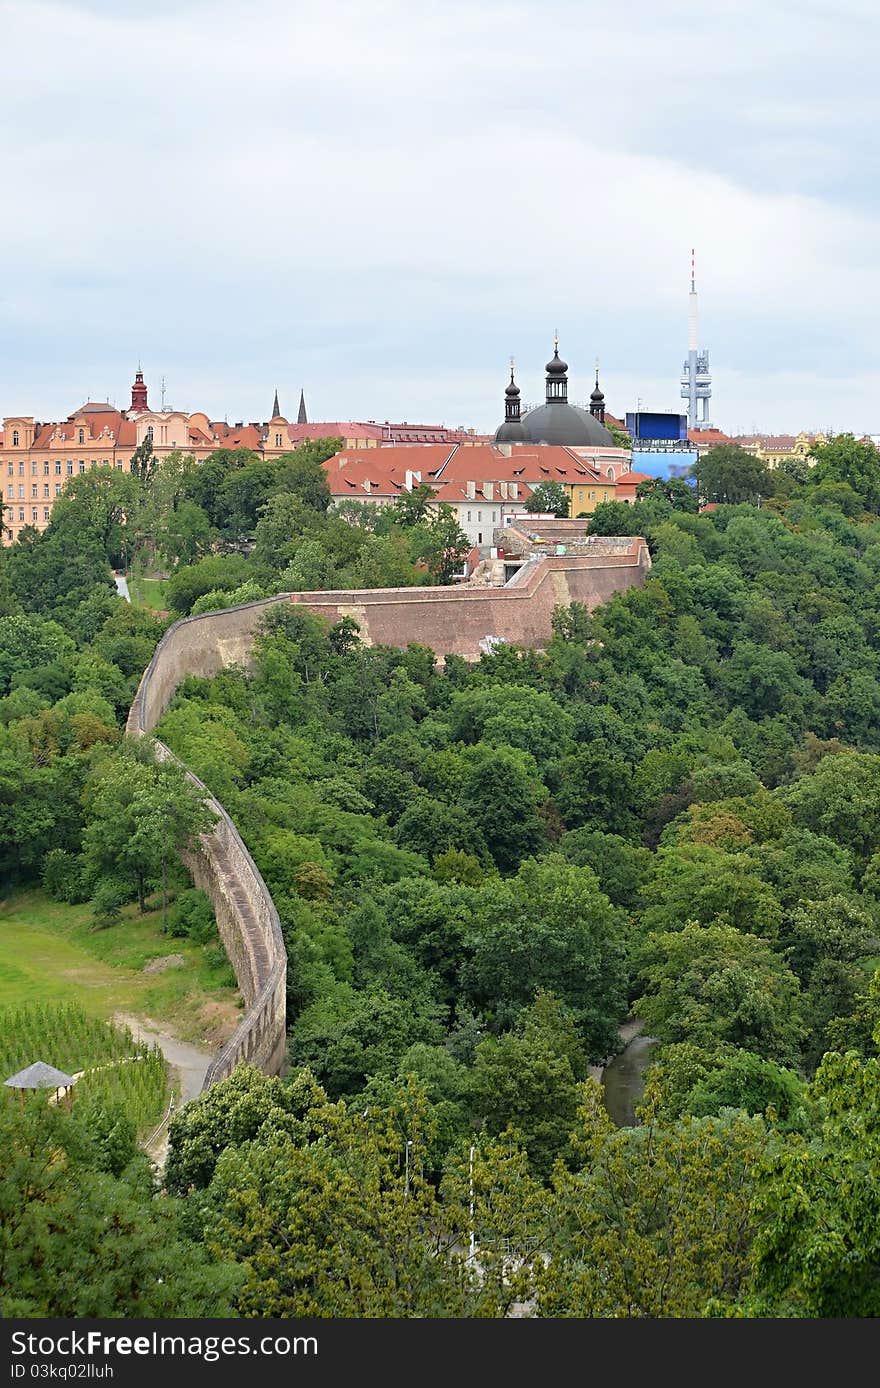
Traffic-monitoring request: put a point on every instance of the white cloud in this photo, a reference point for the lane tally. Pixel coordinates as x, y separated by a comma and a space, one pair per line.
382, 201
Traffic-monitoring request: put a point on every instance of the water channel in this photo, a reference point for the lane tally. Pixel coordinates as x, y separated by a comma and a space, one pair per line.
623, 1079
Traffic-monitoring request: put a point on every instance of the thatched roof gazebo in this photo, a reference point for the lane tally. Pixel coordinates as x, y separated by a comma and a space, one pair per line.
41, 1076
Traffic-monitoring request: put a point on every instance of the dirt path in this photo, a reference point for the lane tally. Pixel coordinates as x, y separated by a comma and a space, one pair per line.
188, 1067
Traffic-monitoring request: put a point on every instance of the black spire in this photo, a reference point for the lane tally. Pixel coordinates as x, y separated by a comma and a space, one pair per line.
512, 430
302, 417
276, 413
511, 400
597, 400
557, 378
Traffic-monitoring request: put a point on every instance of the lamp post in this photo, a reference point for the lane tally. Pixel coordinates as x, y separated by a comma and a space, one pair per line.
472, 1239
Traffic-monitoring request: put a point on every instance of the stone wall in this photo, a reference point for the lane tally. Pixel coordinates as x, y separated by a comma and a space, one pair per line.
451, 621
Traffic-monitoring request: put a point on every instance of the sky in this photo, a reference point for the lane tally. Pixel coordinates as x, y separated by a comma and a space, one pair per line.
382, 202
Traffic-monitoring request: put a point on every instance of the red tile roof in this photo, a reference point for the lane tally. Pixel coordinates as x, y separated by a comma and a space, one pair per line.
633, 478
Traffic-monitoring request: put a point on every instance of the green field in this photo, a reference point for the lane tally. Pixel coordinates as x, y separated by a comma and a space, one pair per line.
50, 953
148, 592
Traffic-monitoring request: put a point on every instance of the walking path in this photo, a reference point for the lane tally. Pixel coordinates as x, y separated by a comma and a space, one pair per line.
122, 586
189, 1065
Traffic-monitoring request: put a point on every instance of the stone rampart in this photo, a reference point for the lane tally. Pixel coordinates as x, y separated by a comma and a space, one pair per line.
451, 621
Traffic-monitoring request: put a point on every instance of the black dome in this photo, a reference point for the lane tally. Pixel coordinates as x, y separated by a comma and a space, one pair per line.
511, 431
512, 389
597, 394
561, 423
556, 366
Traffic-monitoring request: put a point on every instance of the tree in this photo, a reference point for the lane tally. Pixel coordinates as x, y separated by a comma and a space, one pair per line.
729, 475
850, 462
527, 1081
710, 984
238, 1110
657, 1221
139, 816
679, 493
77, 1241
440, 543
502, 796
184, 536
817, 1252
549, 927
549, 496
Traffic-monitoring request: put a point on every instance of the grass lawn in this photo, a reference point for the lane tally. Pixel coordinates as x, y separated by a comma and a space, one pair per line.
50, 952
148, 592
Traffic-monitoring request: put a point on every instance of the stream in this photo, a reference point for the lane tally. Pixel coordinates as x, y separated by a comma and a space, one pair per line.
623, 1078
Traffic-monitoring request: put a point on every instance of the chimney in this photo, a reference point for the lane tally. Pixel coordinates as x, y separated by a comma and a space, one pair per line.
470, 490
514, 491
489, 491
502, 490
366, 485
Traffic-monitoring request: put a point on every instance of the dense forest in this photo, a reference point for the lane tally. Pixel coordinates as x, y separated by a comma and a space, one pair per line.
673, 810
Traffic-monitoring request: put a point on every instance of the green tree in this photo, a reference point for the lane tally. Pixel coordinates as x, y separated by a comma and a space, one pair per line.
679, 493
850, 462
728, 474
139, 816
77, 1241
549, 496
657, 1221
711, 984
818, 1250
549, 927
528, 1081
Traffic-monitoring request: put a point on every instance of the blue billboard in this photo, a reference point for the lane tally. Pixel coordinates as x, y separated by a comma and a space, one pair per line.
657, 425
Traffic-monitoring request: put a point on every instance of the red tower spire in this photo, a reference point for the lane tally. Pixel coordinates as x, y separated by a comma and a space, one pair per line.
139, 392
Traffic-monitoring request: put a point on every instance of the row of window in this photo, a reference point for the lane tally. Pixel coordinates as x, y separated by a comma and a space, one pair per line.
480, 516
35, 513
35, 467
16, 443
10, 491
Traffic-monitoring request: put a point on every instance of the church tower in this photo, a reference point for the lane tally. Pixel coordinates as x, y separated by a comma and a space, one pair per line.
512, 430
139, 392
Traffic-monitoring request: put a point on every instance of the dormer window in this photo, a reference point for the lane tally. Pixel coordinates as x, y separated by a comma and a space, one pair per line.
15, 438
82, 435
150, 432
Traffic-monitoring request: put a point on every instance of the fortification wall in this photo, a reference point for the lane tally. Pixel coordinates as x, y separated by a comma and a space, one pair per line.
450, 621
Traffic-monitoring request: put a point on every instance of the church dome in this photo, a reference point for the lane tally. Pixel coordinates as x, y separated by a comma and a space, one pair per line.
556, 366
511, 431
562, 424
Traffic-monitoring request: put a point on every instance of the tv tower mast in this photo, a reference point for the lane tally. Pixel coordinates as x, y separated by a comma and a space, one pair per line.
696, 383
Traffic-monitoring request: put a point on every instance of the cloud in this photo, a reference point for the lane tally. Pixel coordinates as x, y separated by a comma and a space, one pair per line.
382, 202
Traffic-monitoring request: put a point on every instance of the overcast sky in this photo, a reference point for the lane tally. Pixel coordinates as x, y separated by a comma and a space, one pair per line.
382, 201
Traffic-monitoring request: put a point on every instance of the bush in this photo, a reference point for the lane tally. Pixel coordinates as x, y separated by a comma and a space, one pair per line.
192, 917
63, 878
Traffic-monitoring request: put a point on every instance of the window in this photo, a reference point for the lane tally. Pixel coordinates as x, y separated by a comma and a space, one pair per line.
69, 468
479, 516
15, 438
277, 440
35, 491
21, 469
82, 466
150, 432
34, 514
119, 466
82, 435
46, 469
21, 513
45, 489
57, 488
33, 469
45, 513
57, 469
11, 470
480, 537
469, 515
494, 515
21, 491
